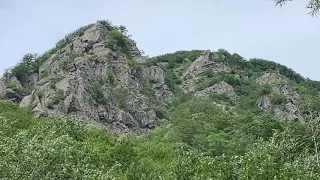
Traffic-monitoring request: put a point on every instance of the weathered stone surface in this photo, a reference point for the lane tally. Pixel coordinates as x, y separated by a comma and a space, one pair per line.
156, 74
264, 102
289, 109
207, 60
87, 81
218, 88
30, 82
7, 92
11, 95
27, 100
270, 78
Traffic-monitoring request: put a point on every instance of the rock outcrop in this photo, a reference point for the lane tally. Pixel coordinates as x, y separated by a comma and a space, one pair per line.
218, 88
95, 77
287, 100
11, 89
87, 81
208, 61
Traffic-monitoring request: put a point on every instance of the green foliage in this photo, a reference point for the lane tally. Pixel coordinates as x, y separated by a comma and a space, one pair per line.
57, 98
97, 93
31, 63
118, 40
111, 77
107, 24
221, 137
44, 74
121, 96
208, 73
202, 142
313, 6
65, 63
277, 98
172, 80
146, 89
27, 66
177, 64
161, 113
175, 59
133, 64
54, 80
257, 66
16, 87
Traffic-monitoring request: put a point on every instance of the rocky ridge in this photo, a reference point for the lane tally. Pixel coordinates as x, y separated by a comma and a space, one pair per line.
94, 79
88, 81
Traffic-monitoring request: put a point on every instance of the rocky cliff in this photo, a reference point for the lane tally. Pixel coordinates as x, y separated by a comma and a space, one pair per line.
99, 75
89, 81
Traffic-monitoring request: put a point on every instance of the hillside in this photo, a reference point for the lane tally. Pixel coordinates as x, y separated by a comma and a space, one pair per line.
185, 115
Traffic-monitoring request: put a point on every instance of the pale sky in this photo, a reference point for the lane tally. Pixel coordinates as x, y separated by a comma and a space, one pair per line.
251, 28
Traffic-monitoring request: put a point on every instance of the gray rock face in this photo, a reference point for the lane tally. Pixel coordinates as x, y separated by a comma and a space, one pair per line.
219, 88
11, 95
9, 89
264, 102
207, 60
289, 109
30, 82
270, 78
89, 82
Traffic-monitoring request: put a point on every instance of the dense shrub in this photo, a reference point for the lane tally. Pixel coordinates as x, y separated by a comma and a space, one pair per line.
97, 93
16, 87
277, 98
118, 40
202, 142
111, 77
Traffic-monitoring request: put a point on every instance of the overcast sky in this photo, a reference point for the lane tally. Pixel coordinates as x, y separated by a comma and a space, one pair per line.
251, 28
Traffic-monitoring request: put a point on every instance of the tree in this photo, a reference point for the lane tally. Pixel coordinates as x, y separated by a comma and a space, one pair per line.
313, 6
123, 29
313, 122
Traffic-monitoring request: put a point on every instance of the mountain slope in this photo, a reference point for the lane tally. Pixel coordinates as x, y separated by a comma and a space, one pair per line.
97, 74
96, 77
208, 114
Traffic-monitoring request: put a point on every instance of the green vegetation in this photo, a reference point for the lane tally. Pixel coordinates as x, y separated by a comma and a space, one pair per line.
175, 59
31, 63
133, 64
16, 87
28, 65
111, 77
177, 63
161, 113
201, 142
65, 63
121, 96
277, 99
54, 80
44, 74
57, 98
117, 39
97, 93
146, 89
221, 137
313, 6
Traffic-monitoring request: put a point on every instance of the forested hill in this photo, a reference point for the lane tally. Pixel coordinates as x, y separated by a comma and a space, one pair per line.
93, 107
